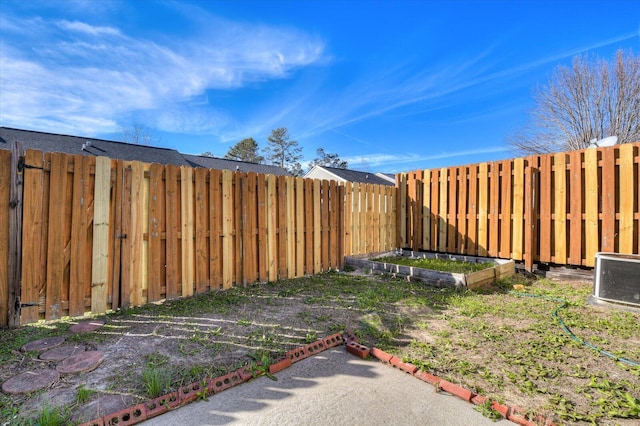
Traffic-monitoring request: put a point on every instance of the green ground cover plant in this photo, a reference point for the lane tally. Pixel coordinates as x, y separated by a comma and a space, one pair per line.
444, 265
498, 343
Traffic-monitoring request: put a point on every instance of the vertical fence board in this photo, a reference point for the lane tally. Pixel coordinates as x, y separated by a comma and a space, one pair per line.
138, 266
261, 193
215, 229
384, 216
494, 213
530, 194
505, 210
172, 203
201, 231
575, 208
5, 183
251, 249
442, 210
308, 225
472, 196
463, 181
348, 219
411, 209
426, 210
356, 218
317, 228
300, 240
592, 239
325, 225
99, 267
434, 183
32, 231
115, 232
518, 209
238, 227
483, 209
55, 250
282, 228
559, 208
290, 227
452, 211
608, 214
272, 225
186, 229
545, 208
333, 224
156, 206
227, 228
401, 222
628, 187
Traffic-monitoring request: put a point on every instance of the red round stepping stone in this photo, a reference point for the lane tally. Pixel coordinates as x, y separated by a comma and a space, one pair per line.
80, 363
86, 326
43, 344
61, 352
30, 381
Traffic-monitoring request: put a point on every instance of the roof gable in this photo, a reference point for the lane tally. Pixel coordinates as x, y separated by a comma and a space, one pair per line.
356, 176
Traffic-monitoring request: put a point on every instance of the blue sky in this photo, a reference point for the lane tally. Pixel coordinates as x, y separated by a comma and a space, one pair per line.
388, 85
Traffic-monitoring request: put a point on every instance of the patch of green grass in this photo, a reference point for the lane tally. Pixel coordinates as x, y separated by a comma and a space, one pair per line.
156, 381
83, 395
51, 416
445, 265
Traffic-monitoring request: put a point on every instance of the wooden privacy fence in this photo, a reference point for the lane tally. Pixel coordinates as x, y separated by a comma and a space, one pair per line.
558, 208
101, 234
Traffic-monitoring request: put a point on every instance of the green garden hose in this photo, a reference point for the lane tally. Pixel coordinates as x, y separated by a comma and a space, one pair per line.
563, 305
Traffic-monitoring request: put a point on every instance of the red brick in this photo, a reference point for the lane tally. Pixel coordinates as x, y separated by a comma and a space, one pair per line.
280, 364
96, 422
456, 390
349, 337
358, 350
381, 355
244, 374
478, 399
502, 409
333, 340
518, 415
189, 392
315, 347
128, 416
427, 377
224, 382
298, 354
155, 407
404, 366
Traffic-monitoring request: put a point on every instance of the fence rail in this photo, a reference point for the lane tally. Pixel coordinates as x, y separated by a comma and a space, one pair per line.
101, 234
558, 208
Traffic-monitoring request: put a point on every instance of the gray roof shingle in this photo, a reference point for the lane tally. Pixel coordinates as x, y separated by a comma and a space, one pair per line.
240, 166
51, 142
360, 177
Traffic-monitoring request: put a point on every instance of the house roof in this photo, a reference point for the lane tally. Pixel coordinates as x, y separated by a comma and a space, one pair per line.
355, 176
51, 142
240, 166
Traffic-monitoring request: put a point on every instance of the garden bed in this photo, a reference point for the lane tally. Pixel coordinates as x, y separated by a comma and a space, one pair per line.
502, 268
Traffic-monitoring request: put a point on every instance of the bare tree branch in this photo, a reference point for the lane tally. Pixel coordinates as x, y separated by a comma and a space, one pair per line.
592, 99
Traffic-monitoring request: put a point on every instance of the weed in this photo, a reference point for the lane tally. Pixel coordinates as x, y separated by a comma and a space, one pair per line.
83, 395
487, 410
156, 381
51, 416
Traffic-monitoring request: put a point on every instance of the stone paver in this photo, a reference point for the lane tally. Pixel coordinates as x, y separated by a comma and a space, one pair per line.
43, 344
30, 381
80, 363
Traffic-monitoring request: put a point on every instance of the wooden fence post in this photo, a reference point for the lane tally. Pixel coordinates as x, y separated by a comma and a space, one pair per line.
15, 234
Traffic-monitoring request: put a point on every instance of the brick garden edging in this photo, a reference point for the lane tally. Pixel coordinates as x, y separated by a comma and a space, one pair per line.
515, 414
189, 393
200, 389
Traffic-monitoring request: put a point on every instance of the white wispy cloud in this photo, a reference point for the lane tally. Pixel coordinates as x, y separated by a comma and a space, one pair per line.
72, 74
375, 160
